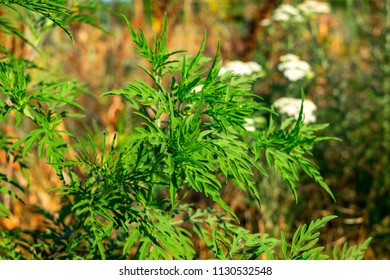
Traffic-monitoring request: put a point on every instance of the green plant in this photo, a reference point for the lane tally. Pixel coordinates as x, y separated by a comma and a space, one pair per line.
304, 239
190, 140
128, 197
34, 107
355, 252
47, 14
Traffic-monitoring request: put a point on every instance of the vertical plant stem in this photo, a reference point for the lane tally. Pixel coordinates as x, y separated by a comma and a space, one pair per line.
317, 48
386, 97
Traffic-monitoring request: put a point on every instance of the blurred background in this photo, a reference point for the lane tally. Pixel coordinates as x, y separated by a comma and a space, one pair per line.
346, 43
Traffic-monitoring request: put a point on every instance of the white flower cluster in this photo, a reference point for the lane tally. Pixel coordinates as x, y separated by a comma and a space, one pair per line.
250, 124
236, 67
287, 12
294, 68
291, 107
240, 68
314, 7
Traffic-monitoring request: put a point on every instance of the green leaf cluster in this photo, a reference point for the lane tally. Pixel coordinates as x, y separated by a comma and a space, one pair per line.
34, 108
287, 149
190, 135
303, 241
44, 104
355, 252
37, 12
190, 139
127, 198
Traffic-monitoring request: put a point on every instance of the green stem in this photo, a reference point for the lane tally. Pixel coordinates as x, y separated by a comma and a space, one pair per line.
386, 97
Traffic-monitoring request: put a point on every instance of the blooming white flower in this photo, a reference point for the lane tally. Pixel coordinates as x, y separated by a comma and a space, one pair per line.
286, 12
294, 68
294, 75
241, 68
292, 106
254, 66
294, 64
249, 124
249, 121
314, 7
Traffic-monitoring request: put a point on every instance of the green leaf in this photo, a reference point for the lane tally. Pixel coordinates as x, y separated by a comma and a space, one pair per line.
284, 245
52, 10
224, 206
355, 252
101, 249
314, 254
304, 239
4, 212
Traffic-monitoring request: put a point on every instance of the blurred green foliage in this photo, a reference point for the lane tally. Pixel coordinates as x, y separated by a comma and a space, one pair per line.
348, 51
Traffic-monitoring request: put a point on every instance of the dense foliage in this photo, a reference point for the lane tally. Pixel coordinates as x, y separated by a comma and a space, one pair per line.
200, 130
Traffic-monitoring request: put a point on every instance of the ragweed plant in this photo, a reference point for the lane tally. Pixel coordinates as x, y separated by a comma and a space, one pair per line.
192, 139
128, 198
33, 109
